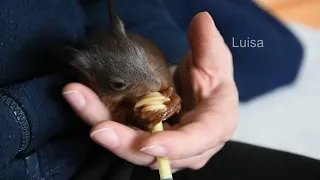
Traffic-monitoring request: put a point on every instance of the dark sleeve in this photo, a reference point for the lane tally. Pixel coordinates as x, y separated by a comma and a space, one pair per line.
149, 18
31, 113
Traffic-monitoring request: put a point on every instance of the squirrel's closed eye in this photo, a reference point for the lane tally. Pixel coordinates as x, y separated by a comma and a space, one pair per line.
118, 85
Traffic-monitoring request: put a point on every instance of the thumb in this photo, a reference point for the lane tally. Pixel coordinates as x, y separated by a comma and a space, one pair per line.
208, 48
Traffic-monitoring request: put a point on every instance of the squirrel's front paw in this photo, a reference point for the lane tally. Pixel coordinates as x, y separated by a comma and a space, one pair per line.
157, 107
174, 105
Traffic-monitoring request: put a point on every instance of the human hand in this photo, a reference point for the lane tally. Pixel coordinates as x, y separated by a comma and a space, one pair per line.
206, 124
209, 114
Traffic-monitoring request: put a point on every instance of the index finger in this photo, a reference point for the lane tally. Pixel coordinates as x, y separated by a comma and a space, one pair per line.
86, 103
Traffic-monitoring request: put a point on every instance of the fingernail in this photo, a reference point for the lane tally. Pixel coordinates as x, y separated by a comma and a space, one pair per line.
75, 99
155, 150
106, 137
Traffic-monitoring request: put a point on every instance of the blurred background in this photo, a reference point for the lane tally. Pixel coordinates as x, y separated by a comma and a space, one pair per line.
303, 11
288, 119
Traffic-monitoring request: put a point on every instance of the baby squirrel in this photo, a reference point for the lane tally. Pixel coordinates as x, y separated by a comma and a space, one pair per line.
121, 68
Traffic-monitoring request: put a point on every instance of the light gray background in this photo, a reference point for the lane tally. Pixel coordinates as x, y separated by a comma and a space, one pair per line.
289, 118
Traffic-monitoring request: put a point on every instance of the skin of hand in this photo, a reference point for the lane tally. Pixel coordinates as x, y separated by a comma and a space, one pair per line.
210, 112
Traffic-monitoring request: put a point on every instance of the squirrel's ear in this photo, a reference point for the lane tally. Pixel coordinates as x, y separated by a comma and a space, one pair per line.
120, 26
78, 59
116, 22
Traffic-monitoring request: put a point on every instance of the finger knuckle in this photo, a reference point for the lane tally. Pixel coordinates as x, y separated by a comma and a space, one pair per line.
229, 55
154, 166
198, 165
231, 129
227, 52
234, 127
176, 170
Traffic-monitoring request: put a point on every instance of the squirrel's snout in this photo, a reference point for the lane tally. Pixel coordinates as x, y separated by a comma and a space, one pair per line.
147, 86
